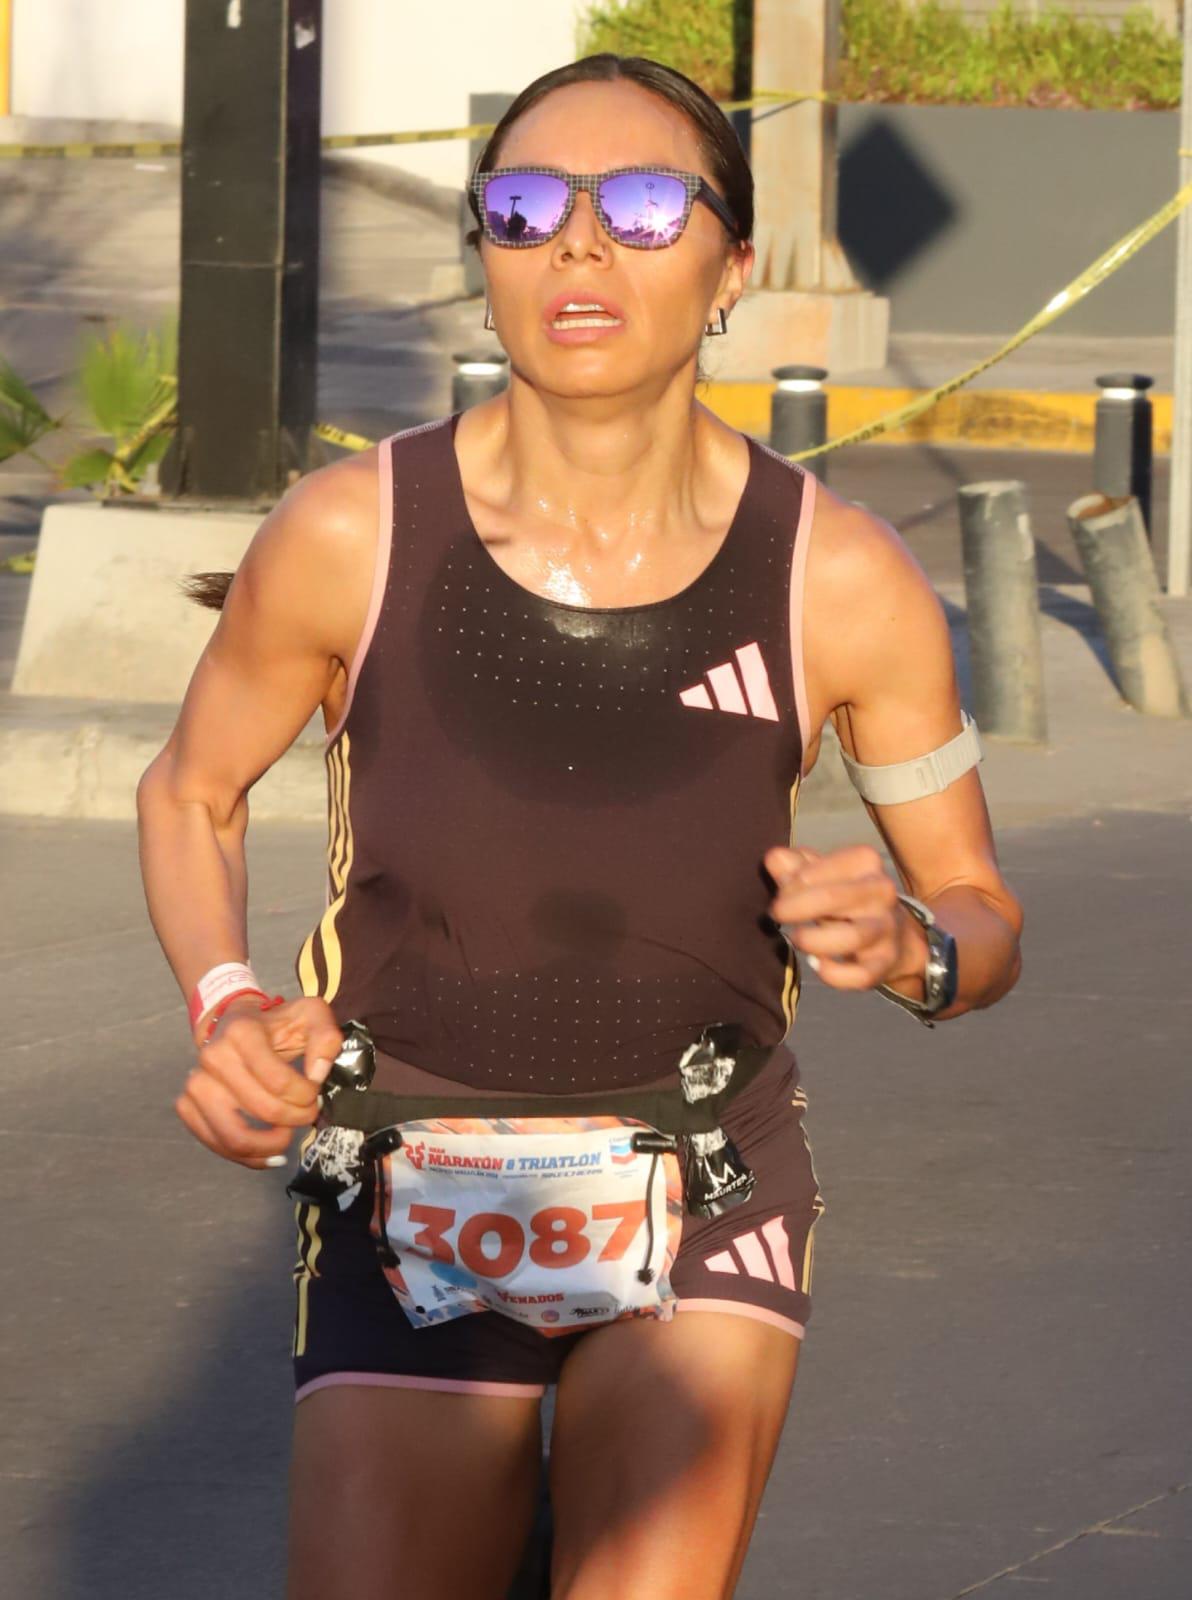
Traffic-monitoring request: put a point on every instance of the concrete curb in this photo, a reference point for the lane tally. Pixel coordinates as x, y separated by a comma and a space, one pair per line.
990, 419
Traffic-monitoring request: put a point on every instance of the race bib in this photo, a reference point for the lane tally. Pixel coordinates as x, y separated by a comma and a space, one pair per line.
556, 1222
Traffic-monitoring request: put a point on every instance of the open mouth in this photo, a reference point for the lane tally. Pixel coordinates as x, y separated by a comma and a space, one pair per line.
584, 314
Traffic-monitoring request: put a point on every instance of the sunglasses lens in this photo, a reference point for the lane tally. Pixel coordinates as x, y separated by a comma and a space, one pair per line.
524, 207
644, 208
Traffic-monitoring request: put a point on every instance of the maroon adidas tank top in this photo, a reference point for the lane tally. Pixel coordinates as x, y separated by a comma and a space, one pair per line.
547, 821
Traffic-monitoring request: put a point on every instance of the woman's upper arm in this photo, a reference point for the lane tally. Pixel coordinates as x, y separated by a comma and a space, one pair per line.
288, 629
879, 649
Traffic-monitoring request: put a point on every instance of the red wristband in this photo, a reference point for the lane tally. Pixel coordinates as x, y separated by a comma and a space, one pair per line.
217, 1010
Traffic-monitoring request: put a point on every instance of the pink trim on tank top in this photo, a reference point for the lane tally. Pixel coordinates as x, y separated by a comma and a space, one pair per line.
380, 573
396, 1380
798, 580
737, 1309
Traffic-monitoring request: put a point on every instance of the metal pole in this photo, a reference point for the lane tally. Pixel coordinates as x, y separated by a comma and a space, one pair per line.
478, 377
1117, 562
1123, 445
1179, 539
248, 325
1001, 589
799, 413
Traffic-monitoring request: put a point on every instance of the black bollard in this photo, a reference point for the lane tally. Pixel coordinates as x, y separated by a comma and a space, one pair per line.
478, 376
799, 414
1001, 590
1123, 440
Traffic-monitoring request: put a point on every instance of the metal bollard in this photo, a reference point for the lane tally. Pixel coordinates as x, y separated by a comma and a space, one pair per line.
1001, 588
799, 414
1117, 561
1123, 440
478, 376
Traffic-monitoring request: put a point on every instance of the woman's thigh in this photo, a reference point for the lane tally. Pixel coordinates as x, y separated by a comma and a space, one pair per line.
663, 1438
410, 1492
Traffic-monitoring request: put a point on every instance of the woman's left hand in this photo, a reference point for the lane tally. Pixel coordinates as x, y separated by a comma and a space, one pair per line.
841, 909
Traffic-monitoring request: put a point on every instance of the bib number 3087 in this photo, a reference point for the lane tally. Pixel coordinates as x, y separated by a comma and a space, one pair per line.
492, 1244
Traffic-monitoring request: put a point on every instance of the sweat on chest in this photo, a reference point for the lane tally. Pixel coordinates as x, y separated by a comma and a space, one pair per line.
586, 706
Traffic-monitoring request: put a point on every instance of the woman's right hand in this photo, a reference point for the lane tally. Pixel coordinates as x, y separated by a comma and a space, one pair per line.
244, 1072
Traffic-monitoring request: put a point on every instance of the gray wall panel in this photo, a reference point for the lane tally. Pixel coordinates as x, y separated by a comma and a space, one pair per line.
970, 218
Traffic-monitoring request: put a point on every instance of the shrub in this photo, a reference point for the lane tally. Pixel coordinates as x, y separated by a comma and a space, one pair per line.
930, 54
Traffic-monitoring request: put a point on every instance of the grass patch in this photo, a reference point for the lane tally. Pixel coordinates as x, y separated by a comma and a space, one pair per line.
932, 55
929, 54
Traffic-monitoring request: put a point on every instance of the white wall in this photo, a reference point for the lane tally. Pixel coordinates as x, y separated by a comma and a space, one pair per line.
387, 64
98, 59
391, 64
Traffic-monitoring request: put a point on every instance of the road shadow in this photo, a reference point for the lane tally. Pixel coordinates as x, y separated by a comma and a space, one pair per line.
1081, 616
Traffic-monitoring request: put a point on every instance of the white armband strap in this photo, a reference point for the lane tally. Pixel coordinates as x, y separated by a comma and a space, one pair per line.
910, 780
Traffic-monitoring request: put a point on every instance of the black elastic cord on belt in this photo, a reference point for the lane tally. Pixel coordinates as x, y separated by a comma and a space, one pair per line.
646, 1273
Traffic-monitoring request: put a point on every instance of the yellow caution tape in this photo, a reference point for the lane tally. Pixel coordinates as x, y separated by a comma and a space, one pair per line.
1116, 256
142, 148
363, 141
346, 441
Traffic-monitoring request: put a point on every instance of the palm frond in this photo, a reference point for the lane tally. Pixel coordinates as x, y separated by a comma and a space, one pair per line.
86, 469
23, 418
123, 374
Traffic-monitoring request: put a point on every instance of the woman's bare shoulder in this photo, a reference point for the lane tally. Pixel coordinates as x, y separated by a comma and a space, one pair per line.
314, 554
869, 608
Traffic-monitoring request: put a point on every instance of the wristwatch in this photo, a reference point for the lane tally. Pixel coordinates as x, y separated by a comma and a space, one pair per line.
940, 974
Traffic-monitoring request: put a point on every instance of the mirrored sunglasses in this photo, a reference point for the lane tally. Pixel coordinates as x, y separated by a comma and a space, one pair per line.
644, 208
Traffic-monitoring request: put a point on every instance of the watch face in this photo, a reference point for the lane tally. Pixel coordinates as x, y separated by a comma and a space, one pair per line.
941, 977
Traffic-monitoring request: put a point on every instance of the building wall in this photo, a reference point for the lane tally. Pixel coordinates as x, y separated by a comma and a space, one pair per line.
387, 64
970, 218
120, 60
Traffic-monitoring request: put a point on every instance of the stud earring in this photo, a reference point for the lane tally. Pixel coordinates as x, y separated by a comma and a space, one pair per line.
489, 325
719, 326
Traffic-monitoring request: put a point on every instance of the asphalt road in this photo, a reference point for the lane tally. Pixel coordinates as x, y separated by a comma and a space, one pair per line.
996, 1373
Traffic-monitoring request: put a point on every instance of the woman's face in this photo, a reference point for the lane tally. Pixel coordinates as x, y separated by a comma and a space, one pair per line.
658, 300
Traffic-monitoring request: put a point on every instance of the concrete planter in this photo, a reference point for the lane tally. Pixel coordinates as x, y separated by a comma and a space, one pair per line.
970, 218
108, 648
106, 618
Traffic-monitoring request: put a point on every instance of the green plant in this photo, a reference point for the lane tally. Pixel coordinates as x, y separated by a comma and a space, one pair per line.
932, 54
698, 37
23, 418
129, 383
923, 54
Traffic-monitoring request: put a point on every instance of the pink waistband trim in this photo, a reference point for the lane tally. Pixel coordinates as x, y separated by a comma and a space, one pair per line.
396, 1380
737, 1308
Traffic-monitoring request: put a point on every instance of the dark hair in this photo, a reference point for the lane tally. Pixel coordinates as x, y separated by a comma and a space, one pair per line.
718, 143
717, 139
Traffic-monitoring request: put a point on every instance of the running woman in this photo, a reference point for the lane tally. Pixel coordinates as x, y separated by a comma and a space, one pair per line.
574, 650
